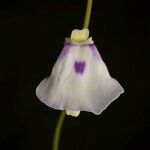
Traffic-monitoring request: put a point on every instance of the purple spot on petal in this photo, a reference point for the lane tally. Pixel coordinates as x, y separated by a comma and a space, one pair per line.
79, 67
95, 51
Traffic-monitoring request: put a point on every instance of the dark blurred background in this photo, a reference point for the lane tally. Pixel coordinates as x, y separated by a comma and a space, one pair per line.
32, 34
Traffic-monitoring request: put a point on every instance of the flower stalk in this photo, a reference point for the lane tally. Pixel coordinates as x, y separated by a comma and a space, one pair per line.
63, 113
88, 13
58, 130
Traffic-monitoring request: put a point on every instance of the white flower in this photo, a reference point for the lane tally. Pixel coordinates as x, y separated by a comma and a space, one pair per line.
79, 80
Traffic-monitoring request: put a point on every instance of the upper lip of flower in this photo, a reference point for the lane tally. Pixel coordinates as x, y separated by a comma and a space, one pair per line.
79, 36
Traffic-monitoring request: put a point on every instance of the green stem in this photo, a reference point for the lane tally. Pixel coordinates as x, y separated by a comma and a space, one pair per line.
63, 113
58, 130
88, 13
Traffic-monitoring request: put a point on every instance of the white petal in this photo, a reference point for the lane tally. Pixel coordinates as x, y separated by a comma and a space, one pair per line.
91, 91
73, 113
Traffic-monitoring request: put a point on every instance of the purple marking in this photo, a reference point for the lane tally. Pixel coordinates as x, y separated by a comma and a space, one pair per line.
79, 67
95, 51
65, 51
68, 46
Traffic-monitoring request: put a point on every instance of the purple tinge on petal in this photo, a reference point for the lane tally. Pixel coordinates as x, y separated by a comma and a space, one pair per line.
95, 52
65, 51
79, 67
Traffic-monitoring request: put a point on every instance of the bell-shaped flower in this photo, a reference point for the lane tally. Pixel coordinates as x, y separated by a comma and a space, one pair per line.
80, 80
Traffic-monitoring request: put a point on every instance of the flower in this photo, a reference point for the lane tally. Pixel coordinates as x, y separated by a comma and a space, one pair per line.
80, 80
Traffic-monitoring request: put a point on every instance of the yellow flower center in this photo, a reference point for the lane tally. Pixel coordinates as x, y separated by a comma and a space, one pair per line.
79, 36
